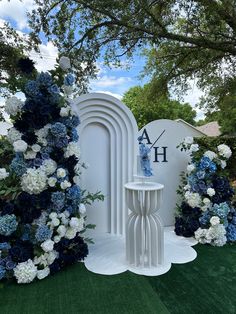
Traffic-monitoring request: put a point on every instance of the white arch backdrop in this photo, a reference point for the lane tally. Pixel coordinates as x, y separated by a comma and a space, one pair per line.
108, 140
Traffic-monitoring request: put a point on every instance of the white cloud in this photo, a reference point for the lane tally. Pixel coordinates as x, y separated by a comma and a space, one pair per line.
46, 59
16, 10
118, 96
110, 81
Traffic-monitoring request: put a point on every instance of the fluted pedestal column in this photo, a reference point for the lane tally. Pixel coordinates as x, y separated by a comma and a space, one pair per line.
144, 229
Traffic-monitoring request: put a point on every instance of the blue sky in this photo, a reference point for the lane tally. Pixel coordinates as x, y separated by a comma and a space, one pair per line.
114, 81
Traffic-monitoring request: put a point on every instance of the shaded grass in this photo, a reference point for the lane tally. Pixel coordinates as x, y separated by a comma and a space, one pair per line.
206, 285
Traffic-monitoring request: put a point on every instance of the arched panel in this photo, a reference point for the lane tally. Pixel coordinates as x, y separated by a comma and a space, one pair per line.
119, 137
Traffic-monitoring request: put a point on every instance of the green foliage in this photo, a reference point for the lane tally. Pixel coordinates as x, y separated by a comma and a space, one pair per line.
192, 39
89, 198
147, 105
210, 143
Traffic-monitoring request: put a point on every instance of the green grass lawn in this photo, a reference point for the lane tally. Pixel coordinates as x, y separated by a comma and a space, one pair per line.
206, 285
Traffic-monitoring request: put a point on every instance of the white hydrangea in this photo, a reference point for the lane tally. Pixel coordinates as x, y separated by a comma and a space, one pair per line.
190, 168
51, 256
52, 181
200, 235
36, 148
64, 63
3, 174
57, 238
25, 272
193, 199
47, 245
13, 105
215, 235
20, 146
82, 209
210, 154
30, 154
224, 150
211, 192
188, 140
65, 111
42, 134
61, 173
215, 220
13, 135
34, 181
72, 149
65, 184
43, 273
194, 148
49, 166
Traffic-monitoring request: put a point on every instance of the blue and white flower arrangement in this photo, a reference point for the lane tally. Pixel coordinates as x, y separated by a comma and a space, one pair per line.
42, 226
206, 211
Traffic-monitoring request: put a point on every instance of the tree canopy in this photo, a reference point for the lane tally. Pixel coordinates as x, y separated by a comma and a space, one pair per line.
148, 107
184, 39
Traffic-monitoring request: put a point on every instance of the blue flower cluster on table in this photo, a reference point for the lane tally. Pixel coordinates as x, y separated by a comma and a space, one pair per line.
41, 228
207, 212
144, 154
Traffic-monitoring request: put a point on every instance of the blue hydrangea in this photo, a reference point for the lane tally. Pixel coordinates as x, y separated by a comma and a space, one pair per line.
58, 200
54, 89
43, 233
58, 130
69, 79
37, 162
221, 210
60, 142
73, 193
212, 167
26, 232
231, 232
5, 246
44, 78
2, 272
205, 218
201, 174
32, 88
8, 224
74, 135
204, 163
18, 166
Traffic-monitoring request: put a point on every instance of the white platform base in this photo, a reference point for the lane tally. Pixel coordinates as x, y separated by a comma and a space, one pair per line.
107, 255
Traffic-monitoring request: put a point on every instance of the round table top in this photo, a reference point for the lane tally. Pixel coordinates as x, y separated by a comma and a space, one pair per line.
144, 186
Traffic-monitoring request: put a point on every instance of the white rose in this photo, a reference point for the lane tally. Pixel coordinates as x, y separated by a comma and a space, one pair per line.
3, 174
41, 274
194, 148
82, 209
190, 168
76, 180
20, 146
52, 181
65, 111
224, 151
188, 140
66, 213
211, 192
36, 148
57, 239
210, 154
53, 215
65, 184
61, 230
74, 222
215, 220
70, 233
61, 173
30, 154
72, 149
55, 222
47, 245
223, 164
206, 201
51, 256
64, 63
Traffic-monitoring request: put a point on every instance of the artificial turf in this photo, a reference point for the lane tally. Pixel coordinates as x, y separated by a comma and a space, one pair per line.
205, 286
